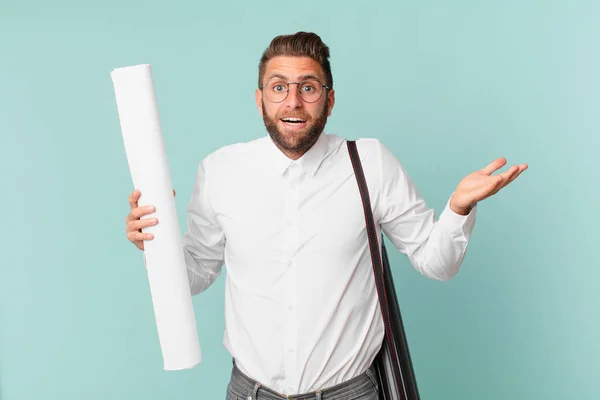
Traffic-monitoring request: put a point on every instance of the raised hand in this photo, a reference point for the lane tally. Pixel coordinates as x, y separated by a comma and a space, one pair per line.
481, 184
134, 223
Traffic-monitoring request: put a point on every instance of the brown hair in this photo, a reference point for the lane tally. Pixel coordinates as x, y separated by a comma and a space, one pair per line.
300, 44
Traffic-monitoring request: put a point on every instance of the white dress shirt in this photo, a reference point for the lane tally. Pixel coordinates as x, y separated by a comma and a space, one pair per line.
301, 306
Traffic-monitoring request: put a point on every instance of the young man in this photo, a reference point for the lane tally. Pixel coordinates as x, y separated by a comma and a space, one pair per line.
283, 212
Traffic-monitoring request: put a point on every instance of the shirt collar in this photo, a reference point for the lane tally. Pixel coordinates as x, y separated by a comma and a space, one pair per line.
309, 162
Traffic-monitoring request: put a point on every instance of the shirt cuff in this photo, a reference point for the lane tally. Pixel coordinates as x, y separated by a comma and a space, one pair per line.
459, 226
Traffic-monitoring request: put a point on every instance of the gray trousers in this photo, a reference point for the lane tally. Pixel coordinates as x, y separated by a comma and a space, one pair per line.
362, 387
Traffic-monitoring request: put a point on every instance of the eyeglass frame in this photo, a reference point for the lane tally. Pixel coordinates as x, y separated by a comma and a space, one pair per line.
287, 92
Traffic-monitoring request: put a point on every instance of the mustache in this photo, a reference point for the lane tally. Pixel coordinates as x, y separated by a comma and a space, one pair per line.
305, 117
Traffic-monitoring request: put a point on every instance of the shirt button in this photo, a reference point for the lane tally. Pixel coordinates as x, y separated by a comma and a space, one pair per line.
290, 263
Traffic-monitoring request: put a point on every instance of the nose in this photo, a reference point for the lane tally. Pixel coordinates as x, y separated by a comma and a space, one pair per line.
293, 99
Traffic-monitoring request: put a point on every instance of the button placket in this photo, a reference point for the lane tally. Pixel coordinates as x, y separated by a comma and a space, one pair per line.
292, 211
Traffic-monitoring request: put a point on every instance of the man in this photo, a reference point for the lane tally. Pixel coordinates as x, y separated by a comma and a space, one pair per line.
283, 212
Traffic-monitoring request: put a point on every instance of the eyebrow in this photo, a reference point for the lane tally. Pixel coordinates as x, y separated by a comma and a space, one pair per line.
300, 78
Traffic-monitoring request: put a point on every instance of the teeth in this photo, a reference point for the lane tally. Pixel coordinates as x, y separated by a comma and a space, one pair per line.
293, 119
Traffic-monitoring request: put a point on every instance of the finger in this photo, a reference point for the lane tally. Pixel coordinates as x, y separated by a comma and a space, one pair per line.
522, 168
139, 236
139, 212
133, 198
141, 223
512, 173
494, 166
509, 173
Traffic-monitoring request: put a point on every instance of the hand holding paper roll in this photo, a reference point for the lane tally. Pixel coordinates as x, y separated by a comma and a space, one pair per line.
135, 223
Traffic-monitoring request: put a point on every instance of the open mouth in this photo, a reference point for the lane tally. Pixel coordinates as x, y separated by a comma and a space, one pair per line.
294, 121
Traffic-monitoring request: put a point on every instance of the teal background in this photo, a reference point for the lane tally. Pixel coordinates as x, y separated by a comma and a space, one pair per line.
447, 85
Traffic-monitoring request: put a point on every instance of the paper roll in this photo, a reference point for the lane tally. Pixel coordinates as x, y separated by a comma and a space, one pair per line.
144, 146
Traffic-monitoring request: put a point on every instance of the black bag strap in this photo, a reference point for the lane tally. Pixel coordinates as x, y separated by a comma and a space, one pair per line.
375, 255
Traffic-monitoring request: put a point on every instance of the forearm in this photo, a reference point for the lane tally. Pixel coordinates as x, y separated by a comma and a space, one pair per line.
442, 253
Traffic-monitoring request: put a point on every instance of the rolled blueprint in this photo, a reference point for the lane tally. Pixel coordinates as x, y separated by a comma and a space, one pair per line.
144, 146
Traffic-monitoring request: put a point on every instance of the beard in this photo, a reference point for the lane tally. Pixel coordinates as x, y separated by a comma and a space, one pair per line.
298, 141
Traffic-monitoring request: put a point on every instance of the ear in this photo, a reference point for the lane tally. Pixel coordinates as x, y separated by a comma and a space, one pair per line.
330, 101
258, 94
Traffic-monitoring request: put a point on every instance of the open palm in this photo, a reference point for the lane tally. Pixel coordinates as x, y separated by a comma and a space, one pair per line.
481, 184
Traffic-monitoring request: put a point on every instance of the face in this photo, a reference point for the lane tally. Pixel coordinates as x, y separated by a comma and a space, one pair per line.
294, 138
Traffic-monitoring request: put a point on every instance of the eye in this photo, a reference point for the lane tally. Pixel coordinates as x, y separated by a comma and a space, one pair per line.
308, 87
278, 87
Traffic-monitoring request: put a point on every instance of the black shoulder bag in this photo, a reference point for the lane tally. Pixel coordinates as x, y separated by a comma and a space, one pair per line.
393, 363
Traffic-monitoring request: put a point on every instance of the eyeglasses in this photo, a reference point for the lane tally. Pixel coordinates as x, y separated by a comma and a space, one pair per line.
309, 90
